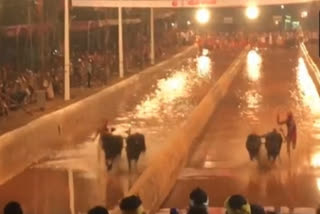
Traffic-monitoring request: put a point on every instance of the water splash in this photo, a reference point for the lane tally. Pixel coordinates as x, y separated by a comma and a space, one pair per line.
254, 62
308, 91
204, 66
315, 160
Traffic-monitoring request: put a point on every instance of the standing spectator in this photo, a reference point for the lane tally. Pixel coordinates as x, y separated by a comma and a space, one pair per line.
78, 71
4, 107
32, 82
107, 68
89, 71
47, 85
4, 74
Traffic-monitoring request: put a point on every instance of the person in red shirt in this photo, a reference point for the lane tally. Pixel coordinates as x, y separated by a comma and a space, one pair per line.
291, 137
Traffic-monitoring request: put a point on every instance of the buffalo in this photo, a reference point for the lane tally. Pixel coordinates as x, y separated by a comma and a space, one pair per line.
253, 145
112, 146
135, 146
273, 144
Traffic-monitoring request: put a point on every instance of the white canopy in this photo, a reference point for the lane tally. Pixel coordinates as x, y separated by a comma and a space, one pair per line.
180, 3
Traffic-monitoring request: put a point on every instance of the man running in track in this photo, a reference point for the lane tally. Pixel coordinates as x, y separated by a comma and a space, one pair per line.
291, 137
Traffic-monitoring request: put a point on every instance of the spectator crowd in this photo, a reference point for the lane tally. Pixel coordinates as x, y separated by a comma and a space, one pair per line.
199, 204
231, 41
18, 87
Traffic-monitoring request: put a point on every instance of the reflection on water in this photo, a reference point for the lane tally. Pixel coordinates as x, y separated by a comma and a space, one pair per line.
156, 115
262, 89
315, 160
168, 90
308, 90
204, 66
172, 92
208, 165
253, 99
254, 62
318, 183
170, 100
310, 99
317, 124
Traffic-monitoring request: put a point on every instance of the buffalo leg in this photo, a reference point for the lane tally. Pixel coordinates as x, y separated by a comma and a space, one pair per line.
109, 164
129, 164
251, 155
136, 163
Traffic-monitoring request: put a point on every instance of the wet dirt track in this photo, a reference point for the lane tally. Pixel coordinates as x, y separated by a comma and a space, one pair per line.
271, 82
155, 107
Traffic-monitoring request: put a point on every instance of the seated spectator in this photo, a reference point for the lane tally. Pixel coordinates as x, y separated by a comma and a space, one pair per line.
98, 210
12, 208
237, 204
197, 210
131, 205
174, 211
198, 197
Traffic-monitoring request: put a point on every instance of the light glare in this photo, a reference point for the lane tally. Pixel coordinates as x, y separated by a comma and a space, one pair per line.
204, 64
254, 62
304, 14
252, 12
308, 93
203, 15
315, 162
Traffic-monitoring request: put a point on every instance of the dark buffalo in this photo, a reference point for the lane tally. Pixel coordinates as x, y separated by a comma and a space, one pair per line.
253, 145
273, 144
135, 146
112, 146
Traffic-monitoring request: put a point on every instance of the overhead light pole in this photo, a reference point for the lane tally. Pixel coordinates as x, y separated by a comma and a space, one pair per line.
152, 55
120, 39
66, 51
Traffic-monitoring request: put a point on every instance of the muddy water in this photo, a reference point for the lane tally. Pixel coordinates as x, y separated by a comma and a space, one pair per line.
155, 108
271, 82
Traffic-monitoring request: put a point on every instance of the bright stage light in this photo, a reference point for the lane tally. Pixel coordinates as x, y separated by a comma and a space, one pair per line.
252, 12
203, 15
304, 14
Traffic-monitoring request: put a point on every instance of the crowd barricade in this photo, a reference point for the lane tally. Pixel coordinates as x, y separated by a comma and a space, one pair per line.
265, 40
221, 210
